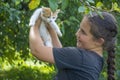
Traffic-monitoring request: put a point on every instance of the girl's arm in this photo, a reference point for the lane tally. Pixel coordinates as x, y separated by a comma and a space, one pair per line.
37, 47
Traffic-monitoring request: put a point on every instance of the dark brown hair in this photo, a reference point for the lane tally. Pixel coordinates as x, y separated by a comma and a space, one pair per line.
105, 27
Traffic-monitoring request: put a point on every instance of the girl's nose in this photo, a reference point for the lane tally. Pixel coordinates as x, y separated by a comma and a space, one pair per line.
77, 32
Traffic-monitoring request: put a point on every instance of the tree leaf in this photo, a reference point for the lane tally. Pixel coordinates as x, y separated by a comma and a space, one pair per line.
81, 9
91, 1
34, 4
99, 4
53, 5
64, 4
115, 7
26, 1
17, 2
90, 12
100, 14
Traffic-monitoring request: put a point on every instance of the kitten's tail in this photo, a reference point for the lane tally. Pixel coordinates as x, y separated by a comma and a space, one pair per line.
34, 17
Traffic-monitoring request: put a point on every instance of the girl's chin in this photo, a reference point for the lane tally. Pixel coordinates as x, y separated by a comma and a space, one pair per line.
79, 46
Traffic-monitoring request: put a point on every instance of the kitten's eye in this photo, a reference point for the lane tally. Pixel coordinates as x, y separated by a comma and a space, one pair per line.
53, 17
48, 17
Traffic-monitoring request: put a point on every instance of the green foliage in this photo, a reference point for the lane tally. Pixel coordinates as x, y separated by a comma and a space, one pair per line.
14, 31
118, 50
27, 71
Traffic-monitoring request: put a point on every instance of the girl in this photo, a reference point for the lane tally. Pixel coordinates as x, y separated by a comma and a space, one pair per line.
85, 61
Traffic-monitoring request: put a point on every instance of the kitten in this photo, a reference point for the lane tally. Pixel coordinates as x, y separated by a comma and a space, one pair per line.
47, 16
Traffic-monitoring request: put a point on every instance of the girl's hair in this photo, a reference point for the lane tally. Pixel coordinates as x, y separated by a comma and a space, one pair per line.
105, 26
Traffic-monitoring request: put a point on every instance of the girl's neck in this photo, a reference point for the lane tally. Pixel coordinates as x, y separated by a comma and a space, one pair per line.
98, 50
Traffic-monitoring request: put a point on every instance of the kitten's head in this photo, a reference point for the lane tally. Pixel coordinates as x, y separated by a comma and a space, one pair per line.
47, 15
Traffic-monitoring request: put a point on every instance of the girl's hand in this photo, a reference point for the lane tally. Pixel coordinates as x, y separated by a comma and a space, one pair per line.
38, 22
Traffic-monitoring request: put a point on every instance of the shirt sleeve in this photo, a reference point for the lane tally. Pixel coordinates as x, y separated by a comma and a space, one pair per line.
67, 57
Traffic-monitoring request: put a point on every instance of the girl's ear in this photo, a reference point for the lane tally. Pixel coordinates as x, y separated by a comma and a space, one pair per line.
100, 41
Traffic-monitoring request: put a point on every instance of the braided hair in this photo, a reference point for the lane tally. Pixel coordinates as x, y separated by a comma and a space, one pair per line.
105, 28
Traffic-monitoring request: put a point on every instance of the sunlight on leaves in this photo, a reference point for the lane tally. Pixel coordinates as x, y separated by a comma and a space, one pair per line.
34, 4
104, 74
99, 5
116, 7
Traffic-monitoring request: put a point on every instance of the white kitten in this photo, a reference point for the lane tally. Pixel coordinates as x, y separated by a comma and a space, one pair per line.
47, 16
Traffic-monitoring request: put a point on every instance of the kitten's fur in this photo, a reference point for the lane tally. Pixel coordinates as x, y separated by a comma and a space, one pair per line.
47, 16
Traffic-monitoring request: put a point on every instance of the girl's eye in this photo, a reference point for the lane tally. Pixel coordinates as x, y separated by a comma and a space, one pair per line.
82, 31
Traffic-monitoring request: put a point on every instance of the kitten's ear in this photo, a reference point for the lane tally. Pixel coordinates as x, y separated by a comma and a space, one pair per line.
43, 7
57, 11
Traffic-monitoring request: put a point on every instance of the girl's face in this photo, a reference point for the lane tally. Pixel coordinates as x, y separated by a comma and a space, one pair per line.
84, 38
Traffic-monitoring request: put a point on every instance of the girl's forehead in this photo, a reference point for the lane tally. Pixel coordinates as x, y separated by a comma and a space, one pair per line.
85, 23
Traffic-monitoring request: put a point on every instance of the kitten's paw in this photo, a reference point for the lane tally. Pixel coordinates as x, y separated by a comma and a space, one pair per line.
49, 44
31, 24
59, 34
